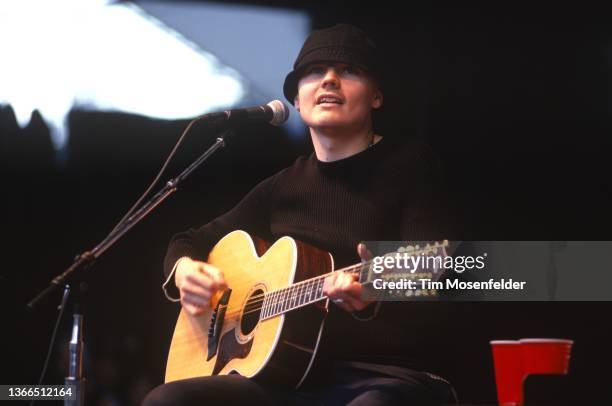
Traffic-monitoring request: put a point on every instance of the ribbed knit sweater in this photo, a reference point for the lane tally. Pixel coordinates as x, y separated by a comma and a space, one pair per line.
390, 192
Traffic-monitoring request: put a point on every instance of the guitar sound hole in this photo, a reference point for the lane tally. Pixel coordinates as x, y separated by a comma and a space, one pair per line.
252, 310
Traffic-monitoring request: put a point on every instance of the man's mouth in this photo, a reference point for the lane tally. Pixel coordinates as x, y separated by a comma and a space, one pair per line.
329, 99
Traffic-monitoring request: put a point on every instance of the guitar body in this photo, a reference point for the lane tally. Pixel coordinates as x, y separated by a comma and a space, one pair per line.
280, 349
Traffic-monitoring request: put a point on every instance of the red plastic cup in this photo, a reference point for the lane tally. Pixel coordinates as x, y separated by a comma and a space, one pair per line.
546, 355
508, 363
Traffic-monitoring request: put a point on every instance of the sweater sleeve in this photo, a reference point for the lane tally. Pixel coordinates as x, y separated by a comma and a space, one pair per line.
252, 214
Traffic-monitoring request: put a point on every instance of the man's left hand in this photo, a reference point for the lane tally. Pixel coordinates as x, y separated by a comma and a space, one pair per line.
343, 288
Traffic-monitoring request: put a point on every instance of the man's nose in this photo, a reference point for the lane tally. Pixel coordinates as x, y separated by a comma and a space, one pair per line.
331, 78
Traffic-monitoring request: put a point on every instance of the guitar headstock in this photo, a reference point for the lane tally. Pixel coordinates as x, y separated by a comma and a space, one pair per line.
426, 248
404, 261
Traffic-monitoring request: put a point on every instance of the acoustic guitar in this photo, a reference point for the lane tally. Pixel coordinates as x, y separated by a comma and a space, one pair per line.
268, 323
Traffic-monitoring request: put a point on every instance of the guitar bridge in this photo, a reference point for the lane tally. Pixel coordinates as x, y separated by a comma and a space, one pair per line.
216, 324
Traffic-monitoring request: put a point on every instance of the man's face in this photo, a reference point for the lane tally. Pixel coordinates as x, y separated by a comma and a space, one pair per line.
336, 96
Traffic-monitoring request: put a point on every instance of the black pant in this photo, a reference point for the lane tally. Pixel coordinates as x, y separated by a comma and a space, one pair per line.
352, 384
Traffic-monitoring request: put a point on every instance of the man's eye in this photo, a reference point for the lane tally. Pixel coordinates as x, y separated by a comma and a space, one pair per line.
351, 70
315, 70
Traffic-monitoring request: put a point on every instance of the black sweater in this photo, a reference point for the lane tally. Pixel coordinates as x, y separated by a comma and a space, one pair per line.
389, 191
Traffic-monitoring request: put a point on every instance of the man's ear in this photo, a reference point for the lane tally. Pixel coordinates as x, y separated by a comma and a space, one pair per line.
296, 103
377, 100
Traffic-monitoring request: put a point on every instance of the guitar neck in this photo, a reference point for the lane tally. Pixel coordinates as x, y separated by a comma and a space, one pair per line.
311, 290
301, 294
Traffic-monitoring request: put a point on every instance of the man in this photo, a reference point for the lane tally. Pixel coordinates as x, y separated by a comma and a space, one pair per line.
356, 186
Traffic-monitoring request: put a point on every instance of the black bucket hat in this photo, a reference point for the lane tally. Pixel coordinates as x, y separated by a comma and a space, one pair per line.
342, 43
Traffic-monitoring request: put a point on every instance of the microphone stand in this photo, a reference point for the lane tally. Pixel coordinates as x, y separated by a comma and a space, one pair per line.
75, 376
87, 258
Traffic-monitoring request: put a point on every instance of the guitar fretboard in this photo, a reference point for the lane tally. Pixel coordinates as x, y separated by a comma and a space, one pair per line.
292, 297
297, 295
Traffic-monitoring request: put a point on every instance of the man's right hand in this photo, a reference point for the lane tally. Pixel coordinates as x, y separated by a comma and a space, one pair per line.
197, 282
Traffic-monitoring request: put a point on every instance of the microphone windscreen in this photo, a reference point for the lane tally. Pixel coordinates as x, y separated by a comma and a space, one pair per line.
280, 112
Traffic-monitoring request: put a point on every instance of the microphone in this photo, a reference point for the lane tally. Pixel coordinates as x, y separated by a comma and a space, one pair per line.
275, 113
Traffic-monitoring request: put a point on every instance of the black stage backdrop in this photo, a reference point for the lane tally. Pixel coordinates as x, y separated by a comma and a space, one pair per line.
515, 101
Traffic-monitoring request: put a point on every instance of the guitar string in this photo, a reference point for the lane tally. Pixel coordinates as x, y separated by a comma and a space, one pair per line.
351, 268
253, 305
262, 297
253, 309
345, 269
250, 308
295, 297
297, 285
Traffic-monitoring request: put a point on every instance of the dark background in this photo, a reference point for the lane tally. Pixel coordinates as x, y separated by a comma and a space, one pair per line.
514, 100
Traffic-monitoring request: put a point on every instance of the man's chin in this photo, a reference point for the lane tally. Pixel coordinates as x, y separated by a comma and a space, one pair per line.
330, 123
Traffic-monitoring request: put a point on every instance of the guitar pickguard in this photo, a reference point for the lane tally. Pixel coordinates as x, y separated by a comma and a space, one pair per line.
216, 324
230, 348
